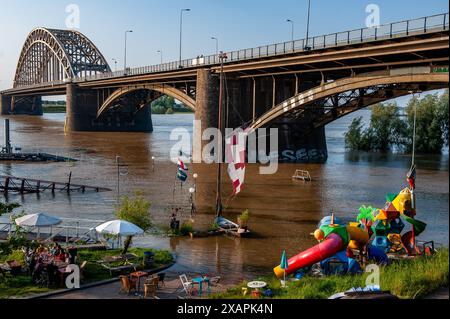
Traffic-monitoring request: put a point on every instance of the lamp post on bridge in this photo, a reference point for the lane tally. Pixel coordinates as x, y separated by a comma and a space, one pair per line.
160, 55
115, 65
307, 26
181, 32
217, 45
292, 28
125, 56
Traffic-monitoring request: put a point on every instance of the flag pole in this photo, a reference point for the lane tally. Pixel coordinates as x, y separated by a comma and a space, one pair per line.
219, 207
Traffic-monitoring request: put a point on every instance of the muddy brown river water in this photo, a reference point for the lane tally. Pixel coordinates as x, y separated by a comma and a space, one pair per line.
283, 212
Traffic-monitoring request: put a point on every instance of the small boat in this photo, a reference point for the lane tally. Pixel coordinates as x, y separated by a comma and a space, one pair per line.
230, 228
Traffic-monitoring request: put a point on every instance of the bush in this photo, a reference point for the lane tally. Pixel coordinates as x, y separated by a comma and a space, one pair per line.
135, 210
169, 111
244, 216
186, 228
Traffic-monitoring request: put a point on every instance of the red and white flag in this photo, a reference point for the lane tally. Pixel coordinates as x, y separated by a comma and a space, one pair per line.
182, 165
235, 151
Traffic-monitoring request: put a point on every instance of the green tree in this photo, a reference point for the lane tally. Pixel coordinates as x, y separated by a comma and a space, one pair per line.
135, 210
162, 104
431, 123
386, 129
356, 137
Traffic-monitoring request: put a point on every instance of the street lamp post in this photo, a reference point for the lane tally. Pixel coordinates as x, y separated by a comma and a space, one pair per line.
217, 45
115, 65
181, 31
125, 55
195, 183
307, 24
161, 55
292, 28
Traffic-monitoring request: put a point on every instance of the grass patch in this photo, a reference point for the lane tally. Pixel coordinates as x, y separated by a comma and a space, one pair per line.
20, 286
407, 279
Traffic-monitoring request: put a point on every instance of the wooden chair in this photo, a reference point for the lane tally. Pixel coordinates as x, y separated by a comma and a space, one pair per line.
127, 285
152, 281
150, 290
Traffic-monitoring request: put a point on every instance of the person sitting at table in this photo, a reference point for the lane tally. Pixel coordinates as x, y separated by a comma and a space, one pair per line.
61, 256
38, 267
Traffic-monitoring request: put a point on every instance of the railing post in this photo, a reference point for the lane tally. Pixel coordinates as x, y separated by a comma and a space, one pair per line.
362, 34
407, 27
335, 39
445, 20
324, 40
390, 31
348, 37
376, 33
425, 25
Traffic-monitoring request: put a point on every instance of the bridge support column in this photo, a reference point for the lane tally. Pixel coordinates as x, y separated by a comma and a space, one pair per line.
5, 104
206, 109
81, 110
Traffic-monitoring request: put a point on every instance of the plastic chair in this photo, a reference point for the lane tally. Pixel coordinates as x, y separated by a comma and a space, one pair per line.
187, 285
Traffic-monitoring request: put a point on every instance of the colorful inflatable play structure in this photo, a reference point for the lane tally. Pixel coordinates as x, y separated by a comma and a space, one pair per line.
374, 236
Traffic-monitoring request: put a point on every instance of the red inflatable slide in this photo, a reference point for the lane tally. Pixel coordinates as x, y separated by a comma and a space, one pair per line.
326, 249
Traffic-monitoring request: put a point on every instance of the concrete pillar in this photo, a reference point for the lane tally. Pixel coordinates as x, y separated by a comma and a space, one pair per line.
206, 109
5, 104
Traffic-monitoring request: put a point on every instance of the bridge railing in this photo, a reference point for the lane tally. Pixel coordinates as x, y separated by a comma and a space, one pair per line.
439, 22
422, 25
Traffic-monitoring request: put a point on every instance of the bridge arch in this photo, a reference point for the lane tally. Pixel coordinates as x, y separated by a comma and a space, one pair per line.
55, 55
344, 96
163, 89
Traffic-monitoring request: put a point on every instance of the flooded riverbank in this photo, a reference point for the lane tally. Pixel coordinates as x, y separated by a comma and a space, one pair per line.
283, 212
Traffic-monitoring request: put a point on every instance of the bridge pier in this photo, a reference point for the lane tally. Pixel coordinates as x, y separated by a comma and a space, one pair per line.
5, 104
22, 105
81, 114
248, 99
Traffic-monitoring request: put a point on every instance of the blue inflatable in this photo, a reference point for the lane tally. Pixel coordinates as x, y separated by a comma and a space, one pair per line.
340, 264
378, 255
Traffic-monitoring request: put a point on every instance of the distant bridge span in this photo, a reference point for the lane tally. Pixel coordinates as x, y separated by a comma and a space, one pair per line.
297, 86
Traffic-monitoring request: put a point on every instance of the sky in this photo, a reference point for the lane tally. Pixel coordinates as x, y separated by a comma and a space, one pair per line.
238, 24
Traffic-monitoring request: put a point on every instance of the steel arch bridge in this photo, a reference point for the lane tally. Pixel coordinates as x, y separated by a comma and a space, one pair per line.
54, 55
331, 101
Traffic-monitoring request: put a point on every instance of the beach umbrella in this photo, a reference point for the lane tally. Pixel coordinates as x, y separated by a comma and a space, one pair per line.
119, 228
38, 220
284, 265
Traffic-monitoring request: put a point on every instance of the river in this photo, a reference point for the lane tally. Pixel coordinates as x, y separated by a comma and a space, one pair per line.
283, 212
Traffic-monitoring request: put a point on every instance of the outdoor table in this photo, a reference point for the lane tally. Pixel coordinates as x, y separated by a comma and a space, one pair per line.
138, 275
256, 285
200, 281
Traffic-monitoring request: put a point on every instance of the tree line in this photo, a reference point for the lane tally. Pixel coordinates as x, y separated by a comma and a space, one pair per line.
167, 105
390, 131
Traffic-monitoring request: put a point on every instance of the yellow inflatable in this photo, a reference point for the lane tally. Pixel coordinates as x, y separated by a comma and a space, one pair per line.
401, 199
